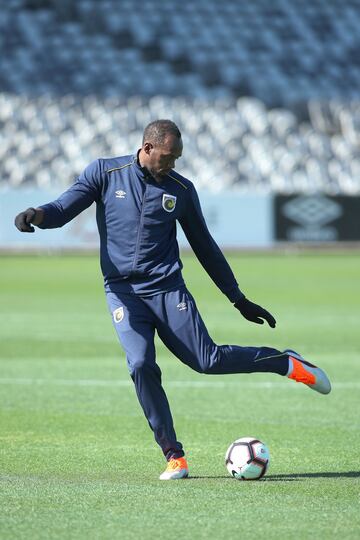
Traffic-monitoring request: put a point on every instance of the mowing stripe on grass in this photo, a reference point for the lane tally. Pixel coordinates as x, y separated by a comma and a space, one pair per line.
175, 384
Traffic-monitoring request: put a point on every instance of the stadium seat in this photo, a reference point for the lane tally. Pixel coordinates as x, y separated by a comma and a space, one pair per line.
266, 93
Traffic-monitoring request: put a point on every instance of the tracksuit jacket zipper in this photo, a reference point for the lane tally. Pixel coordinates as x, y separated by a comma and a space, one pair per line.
136, 256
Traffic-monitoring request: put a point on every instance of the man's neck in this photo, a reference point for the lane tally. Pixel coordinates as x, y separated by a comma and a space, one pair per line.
140, 160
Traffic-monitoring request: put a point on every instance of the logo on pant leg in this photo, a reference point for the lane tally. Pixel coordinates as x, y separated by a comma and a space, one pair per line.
118, 314
182, 306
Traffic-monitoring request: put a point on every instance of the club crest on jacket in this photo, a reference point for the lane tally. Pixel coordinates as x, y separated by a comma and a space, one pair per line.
168, 202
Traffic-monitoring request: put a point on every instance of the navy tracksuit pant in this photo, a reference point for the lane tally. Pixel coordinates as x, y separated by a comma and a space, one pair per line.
175, 317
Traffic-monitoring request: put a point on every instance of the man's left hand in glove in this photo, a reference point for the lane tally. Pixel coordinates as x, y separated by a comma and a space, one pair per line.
254, 313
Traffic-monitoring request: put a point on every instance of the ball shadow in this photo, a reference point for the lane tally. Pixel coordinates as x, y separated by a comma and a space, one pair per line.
295, 477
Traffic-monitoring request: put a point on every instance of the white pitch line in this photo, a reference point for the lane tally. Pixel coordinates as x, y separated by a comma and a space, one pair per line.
174, 384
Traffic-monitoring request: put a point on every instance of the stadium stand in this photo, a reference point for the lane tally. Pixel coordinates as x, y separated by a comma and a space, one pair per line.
265, 92
279, 51
229, 143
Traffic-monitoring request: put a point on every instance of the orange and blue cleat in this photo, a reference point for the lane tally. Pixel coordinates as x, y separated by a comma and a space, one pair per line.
176, 468
302, 371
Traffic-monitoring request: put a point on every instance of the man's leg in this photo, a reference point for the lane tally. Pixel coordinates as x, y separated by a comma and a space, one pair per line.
183, 331
135, 326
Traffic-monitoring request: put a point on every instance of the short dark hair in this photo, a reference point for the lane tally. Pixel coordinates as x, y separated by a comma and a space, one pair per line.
156, 131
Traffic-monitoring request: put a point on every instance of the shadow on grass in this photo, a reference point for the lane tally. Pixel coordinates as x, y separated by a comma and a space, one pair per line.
295, 476
288, 477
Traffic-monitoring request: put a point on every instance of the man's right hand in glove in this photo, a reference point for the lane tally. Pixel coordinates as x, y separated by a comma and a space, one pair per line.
24, 220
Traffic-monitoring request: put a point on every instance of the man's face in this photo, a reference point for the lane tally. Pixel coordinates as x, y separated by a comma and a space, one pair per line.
161, 159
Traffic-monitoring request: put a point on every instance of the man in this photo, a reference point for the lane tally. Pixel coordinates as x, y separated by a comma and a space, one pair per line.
139, 198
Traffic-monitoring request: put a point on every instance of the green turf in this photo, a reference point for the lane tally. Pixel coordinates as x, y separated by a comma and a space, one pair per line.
78, 459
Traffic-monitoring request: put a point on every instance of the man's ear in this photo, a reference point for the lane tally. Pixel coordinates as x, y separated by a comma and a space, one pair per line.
148, 147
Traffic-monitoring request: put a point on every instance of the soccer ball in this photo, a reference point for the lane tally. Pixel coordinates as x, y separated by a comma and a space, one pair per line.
247, 459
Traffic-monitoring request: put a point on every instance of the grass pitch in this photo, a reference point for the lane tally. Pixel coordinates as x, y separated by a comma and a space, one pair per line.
78, 459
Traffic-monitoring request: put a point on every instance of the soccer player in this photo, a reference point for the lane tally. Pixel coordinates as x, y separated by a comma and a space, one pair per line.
139, 198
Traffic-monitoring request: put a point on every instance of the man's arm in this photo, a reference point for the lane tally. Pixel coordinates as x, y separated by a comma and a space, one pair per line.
215, 264
206, 249
77, 198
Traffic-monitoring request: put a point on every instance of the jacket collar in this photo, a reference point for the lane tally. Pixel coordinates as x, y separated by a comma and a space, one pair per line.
143, 173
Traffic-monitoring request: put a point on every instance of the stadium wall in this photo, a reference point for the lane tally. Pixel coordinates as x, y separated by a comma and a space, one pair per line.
236, 220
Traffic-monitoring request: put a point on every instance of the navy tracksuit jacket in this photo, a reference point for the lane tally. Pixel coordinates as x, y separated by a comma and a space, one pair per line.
136, 218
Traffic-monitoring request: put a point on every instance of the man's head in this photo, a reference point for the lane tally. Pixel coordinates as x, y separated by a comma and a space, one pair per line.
161, 147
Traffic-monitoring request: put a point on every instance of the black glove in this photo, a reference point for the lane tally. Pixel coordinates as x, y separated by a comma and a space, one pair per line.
24, 219
254, 313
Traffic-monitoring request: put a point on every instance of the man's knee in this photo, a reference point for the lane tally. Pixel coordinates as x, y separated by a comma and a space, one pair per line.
208, 362
210, 369
141, 357
140, 366
135, 365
